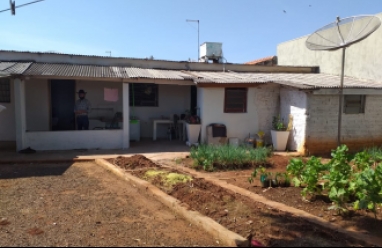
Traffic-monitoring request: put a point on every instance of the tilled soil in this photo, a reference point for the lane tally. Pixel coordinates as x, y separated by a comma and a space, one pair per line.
243, 216
134, 162
362, 221
85, 205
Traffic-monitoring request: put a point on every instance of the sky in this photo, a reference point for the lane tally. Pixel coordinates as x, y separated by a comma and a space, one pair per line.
248, 29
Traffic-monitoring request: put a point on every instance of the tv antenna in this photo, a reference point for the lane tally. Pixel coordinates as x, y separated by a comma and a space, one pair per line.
13, 6
197, 58
341, 34
109, 52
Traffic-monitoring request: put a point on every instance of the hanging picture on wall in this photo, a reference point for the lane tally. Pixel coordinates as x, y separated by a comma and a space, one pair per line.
111, 95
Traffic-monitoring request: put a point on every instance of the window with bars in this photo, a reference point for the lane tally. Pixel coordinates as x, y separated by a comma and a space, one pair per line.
5, 91
354, 104
235, 100
143, 95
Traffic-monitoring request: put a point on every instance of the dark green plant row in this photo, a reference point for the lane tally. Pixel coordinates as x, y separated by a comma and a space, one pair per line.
346, 178
208, 157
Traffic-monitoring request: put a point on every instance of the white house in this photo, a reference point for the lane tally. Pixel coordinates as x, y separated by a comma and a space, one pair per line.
40, 92
362, 120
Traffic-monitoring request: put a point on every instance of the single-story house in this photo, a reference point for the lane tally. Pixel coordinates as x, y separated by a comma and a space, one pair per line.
40, 92
362, 63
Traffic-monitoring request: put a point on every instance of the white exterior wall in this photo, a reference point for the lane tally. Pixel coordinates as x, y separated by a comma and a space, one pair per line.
262, 104
8, 119
267, 101
358, 130
363, 59
294, 102
69, 140
37, 97
173, 99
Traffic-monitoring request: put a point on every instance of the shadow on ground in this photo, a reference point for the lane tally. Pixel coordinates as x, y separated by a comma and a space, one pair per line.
32, 170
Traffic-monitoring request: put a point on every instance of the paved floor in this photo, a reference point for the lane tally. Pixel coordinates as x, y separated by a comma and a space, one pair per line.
82, 204
151, 149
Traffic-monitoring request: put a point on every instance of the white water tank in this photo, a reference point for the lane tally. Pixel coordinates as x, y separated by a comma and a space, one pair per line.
211, 51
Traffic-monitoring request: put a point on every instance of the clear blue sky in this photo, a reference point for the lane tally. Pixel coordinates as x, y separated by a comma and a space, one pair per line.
248, 29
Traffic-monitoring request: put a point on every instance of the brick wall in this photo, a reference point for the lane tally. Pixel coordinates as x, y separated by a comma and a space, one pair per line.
267, 100
358, 130
294, 102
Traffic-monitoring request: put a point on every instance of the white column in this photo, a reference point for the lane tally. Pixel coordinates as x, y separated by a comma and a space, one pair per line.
20, 114
126, 116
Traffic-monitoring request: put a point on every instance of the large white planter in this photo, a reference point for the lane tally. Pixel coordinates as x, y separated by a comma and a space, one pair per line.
279, 140
193, 131
2, 108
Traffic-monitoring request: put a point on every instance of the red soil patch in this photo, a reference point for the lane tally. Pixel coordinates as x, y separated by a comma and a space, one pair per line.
131, 163
243, 216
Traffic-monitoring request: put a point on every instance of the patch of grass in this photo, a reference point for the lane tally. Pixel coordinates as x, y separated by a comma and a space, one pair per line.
208, 157
169, 179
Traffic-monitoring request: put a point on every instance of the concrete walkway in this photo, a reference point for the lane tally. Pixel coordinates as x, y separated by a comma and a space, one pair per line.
155, 150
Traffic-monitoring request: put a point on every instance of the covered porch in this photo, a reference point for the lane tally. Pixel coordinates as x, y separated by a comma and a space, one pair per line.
123, 110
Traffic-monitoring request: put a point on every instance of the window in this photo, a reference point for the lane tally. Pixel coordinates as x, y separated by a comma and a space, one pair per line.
235, 100
143, 95
354, 104
5, 91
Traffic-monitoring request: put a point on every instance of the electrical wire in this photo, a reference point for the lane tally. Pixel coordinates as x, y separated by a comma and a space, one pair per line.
22, 5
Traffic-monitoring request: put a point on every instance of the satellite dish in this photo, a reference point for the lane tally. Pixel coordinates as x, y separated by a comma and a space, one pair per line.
3, 74
2, 108
342, 34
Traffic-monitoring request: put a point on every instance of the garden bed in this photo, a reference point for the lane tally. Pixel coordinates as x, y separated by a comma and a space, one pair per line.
243, 216
362, 221
134, 162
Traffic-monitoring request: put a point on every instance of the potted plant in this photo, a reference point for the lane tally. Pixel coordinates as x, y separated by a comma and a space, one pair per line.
280, 134
266, 179
193, 129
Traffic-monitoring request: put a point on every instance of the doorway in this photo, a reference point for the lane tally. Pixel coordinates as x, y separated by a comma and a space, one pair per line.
194, 100
62, 95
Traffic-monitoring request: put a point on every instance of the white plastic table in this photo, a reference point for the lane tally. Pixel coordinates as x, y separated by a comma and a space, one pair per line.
170, 122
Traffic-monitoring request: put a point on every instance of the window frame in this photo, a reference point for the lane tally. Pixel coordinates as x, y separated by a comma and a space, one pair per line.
361, 104
230, 110
5, 90
155, 92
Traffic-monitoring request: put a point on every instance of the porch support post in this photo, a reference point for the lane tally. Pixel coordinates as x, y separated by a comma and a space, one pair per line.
126, 116
20, 114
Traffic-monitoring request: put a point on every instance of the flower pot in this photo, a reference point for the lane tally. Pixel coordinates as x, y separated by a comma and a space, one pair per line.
279, 140
193, 131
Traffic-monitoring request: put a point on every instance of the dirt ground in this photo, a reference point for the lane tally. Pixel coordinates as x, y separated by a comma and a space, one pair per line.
243, 216
362, 221
131, 163
84, 205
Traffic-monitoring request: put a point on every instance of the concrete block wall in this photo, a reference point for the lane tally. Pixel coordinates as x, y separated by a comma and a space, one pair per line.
358, 130
267, 101
294, 102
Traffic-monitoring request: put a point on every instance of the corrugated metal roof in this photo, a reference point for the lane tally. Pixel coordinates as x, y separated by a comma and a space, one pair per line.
298, 80
14, 67
70, 70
